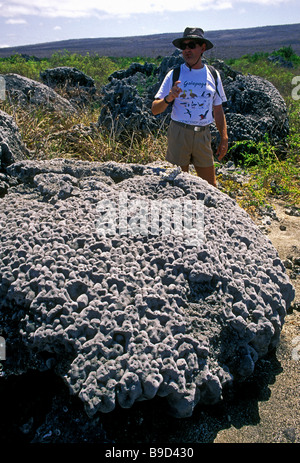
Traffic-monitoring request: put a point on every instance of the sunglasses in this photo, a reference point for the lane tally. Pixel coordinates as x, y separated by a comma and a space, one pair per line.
191, 45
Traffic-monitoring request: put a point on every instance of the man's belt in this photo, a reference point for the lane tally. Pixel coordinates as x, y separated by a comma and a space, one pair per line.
195, 128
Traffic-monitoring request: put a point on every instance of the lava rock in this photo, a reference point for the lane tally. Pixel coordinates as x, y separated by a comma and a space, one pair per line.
125, 111
280, 61
128, 96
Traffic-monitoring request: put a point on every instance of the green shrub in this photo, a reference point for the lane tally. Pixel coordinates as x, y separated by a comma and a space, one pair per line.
95, 66
17, 64
259, 65
288, 54
99, 68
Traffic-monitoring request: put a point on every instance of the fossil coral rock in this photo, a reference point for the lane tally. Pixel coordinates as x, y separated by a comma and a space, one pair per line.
255, 108
128, 313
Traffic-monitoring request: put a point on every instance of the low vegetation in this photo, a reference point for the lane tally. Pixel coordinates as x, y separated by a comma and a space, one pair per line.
98, 67
272, 171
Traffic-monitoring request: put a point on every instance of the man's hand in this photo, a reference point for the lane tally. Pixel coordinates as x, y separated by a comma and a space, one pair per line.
222, 128
175, 91
159, 106
222, 149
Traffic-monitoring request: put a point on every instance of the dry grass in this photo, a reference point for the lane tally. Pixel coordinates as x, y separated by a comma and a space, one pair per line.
50, 135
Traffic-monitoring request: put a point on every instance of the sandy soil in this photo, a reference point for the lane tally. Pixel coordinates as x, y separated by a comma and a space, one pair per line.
278, 417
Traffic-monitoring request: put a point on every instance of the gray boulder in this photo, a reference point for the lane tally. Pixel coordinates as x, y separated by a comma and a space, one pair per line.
100, 283
24, 91
12, 149
67, 77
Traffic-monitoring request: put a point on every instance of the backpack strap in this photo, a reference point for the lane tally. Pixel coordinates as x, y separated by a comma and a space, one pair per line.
215, 76
175, 77
176, 72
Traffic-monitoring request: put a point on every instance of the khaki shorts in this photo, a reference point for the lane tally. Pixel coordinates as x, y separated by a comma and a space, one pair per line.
187, 146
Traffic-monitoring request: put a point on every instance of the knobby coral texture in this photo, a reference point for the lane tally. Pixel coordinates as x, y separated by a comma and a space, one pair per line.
125, 318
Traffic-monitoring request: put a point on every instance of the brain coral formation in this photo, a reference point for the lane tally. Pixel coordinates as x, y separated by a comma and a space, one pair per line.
125, 317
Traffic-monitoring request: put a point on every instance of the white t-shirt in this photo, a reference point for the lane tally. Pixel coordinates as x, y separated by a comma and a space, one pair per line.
195, 103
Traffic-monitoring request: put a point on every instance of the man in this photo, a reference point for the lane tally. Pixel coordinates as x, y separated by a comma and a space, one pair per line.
197, 102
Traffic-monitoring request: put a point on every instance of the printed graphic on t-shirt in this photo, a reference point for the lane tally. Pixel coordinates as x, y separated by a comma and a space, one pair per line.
195, 101
198, 95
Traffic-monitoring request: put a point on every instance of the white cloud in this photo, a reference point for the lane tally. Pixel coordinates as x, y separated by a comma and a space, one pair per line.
79, 8
57, 28
16, 21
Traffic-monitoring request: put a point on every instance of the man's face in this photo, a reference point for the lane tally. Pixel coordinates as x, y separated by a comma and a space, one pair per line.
192, 51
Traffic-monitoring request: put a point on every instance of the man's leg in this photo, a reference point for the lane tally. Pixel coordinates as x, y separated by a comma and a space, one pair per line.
179, 146
185, 168
208, 174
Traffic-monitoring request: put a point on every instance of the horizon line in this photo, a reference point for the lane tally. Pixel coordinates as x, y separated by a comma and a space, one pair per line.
140, 35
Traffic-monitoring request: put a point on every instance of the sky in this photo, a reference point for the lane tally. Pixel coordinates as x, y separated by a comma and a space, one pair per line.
24, 22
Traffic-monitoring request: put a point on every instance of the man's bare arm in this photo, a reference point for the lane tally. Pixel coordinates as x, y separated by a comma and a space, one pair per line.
160, 105
220, 121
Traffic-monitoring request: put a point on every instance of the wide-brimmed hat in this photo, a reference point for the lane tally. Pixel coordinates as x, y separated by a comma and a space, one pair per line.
194, 33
